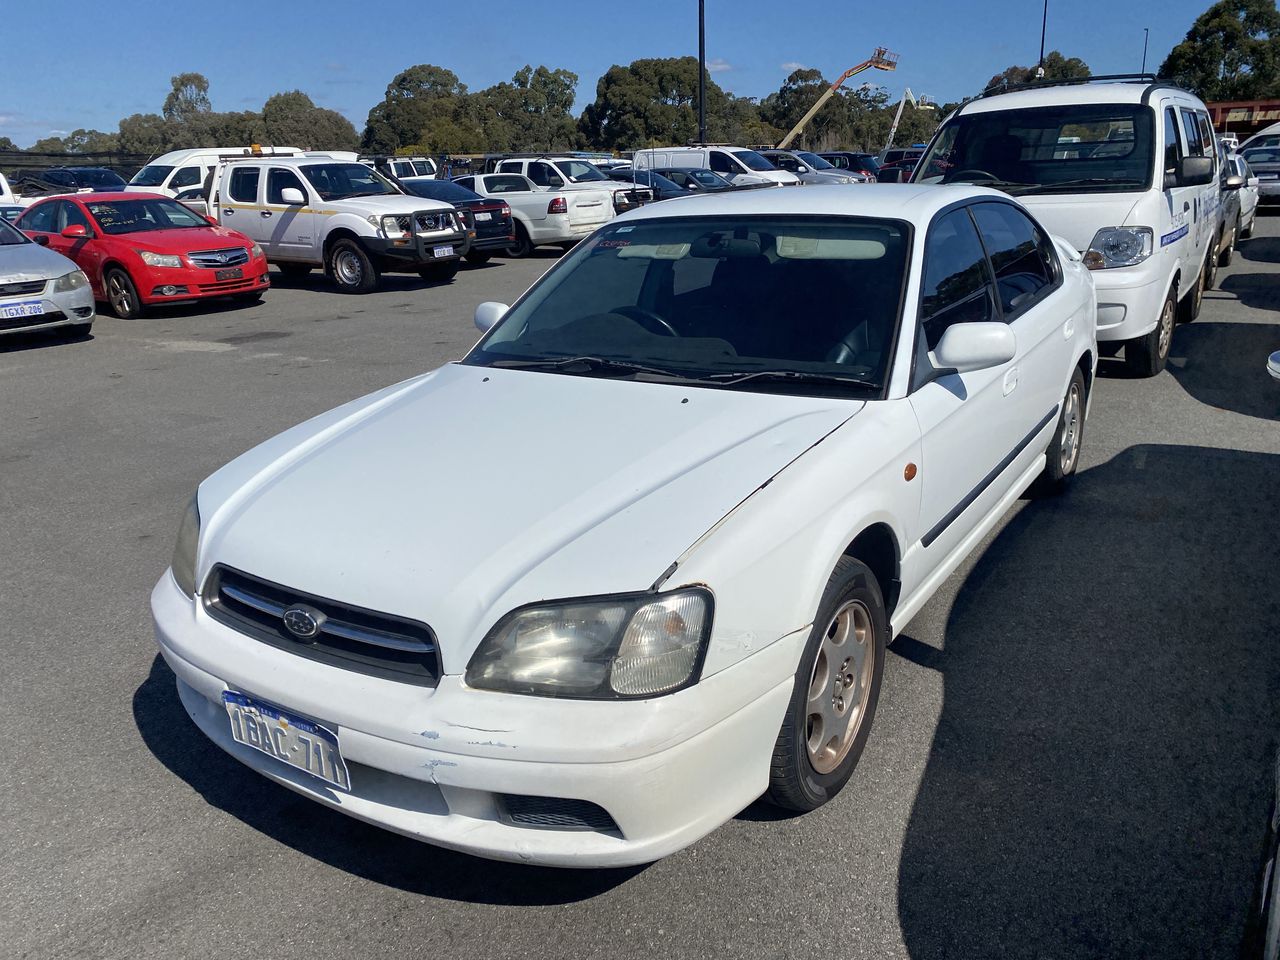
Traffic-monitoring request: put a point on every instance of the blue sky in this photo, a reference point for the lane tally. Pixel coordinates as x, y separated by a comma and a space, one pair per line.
343, 54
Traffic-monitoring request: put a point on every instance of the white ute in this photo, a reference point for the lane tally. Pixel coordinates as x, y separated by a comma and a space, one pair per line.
308, 212
567, 174
584, 595
540, 216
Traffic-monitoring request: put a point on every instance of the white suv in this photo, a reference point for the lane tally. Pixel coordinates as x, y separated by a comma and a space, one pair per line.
310, 212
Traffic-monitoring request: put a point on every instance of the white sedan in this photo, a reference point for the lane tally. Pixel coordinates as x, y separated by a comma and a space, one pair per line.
582, 596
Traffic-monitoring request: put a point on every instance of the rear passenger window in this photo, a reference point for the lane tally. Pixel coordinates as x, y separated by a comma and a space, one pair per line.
1172, 145
1023, 260
244, 184
1206, 135
1191, 129
957, 283
40, 219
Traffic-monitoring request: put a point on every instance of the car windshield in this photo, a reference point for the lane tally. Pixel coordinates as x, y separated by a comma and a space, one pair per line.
441, 190
1074, 148
791, 304
116, 217
10, 235
814, 161
579, 171
94, 177
151, 176
753, 160
342, 181
1261, 155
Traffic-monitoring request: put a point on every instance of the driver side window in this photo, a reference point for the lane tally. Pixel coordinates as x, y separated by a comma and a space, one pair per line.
957, 285
544, 175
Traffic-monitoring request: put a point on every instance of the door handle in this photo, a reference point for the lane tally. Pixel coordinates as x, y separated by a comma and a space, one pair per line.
1010, 381
265, 214
226, 213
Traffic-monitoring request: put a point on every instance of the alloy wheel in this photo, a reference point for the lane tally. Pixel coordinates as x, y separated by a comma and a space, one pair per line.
118, 293
1167, 318
840, 686
1069, 449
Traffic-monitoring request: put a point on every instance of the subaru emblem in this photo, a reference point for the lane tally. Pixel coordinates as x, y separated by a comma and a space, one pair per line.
303, 622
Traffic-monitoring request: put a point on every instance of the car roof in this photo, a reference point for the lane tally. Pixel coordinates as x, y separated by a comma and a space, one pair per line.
915, 203
1053, 95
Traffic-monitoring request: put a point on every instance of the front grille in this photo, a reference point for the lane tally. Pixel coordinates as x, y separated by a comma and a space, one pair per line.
228, 286
22, 288
350, 638
432, 222
216, 259
554, 813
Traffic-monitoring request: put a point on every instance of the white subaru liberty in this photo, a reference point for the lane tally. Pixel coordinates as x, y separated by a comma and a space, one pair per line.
582, 596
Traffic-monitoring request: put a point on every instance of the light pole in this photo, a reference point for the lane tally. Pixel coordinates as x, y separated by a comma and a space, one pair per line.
1145, 32
1044, 22
702, 71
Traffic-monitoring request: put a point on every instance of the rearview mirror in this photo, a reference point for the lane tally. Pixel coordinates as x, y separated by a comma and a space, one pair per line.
293, 197
489, 313
975, 346
75, 231
1233, 182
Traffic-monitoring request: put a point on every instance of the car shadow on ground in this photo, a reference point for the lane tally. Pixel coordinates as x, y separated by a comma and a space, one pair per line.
40, 340
1098, 784
340, 841
1224, 365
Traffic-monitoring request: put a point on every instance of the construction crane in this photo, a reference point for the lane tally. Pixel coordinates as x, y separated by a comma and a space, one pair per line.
917, 102
882, 59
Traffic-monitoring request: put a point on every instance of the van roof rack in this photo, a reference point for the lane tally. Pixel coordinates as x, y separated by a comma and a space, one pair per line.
1148, 78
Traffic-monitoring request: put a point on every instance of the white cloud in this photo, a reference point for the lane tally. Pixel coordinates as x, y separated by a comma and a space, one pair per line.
791, 66
718, 65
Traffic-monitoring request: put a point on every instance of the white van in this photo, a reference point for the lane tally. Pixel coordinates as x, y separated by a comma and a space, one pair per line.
180, 170
736, 164
1137, 192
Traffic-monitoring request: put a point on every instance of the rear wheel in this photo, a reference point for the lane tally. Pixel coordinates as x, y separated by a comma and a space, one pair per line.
350, 268
834, 697
440, 272
521, 246
1210, 271
478, 257
1063, 454
122, 295
1146, 356
1224, 258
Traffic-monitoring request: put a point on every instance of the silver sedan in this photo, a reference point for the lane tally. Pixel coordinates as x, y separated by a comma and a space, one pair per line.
40, 289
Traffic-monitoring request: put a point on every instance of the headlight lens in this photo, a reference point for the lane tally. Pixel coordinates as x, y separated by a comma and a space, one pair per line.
184, 551
396, 226
1118, 247
255, 251
75, 280
160, 259
636, 645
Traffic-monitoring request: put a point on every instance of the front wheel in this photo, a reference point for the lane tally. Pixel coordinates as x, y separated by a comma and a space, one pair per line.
1063, 454
834, 697
1147, 355
350, 268
123, 295
439, 272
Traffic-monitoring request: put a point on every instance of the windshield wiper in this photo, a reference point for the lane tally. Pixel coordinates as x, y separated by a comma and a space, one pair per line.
799, 376
589, 365
1083, 182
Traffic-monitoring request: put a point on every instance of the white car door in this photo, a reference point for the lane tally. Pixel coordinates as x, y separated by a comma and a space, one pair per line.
237, 202
290, 228
973, 425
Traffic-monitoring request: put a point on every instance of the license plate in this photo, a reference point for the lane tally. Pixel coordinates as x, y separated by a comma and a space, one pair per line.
28, 308
290, 739
444, 251
483, 216
230, 273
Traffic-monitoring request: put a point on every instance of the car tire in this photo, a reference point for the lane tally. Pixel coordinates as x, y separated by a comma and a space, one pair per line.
1247, 232
478, 258
1224, 258
1147, 355
350, 268
440, 272
823, 734
1062, 456
522, 246
1189, 307
1209, 273
122, 295
294, 271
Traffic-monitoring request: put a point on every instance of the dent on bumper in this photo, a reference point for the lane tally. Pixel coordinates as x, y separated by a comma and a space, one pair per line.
440, 783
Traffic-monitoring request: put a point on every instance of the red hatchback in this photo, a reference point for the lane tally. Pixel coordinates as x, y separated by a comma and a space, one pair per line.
140, 249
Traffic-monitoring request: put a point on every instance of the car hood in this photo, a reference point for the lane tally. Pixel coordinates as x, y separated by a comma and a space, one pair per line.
29, 261
459, 495
185, 239
1077, 217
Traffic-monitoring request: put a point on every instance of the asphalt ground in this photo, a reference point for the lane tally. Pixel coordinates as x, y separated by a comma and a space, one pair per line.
1072, 756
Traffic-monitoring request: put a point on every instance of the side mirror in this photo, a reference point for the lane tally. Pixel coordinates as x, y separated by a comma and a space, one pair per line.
1233, 182
801, 168
1193, 171
75, 231
293, 197
892, 175
490, 312
975, 346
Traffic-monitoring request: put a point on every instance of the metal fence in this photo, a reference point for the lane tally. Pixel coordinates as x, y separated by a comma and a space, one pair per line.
14, 163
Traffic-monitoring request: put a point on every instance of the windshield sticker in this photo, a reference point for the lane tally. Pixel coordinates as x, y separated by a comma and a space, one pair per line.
1178, 234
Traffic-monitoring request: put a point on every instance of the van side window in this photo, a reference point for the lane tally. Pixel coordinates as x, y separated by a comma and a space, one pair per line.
1195, 148
1206, 135
957, 282
186, 177
1172, 145
721, 163
244, 184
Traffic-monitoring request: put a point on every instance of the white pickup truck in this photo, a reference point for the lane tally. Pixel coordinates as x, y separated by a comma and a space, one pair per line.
570, 174
543, 217
308, 212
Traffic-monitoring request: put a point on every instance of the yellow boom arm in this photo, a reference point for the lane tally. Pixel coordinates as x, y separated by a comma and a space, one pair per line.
882, 59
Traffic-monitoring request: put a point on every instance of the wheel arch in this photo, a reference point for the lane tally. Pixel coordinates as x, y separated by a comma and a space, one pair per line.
877, 547
336, 234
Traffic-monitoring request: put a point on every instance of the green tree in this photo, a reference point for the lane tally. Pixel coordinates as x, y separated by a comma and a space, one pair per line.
1231, 52
145, 133
90, 141
188, 98
293, 119
1056, 67
8, 146
49, 145
797, 95
532, 112
421, 104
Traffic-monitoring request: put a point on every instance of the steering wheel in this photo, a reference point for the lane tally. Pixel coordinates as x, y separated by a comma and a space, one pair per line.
647, 319
971, 174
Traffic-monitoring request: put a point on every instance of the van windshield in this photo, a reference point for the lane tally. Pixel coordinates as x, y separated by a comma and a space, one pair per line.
1072, 148
151, 176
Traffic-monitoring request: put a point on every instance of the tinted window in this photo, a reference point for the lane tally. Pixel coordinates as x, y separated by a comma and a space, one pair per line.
244, 184
151, 176
1206, 135
544, 175
506, 184
784, 161
70, 215
1172, 145
1020, 255
278, 181
186, 177
9, 236
39, 218
1191, 129
722, 164
442, 190
957, 284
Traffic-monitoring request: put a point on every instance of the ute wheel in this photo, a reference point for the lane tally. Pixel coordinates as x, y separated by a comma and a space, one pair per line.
1063, 453
520, 247
122, 295
478, 257
294, 271
350, 268
440, 272
1146, 356
834, 697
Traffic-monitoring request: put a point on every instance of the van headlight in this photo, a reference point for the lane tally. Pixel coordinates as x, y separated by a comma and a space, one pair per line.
1118, 247
75, 280
605, 648
184, 551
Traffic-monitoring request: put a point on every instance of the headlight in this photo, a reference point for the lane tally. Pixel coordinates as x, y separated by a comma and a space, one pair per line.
396, 226
75, 280
255, 251
1118, 247
160, 259
633, 645
184, 551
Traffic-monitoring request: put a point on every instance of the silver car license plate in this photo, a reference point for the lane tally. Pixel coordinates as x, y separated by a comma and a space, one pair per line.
483, 216
291, 739
27, 308
444, 251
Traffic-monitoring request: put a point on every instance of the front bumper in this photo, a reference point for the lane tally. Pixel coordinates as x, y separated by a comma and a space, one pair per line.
433, 764
74, 308
1129, 300
417, 252
199, 283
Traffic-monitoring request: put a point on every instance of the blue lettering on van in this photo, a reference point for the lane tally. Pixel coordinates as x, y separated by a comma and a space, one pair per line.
1178, 234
